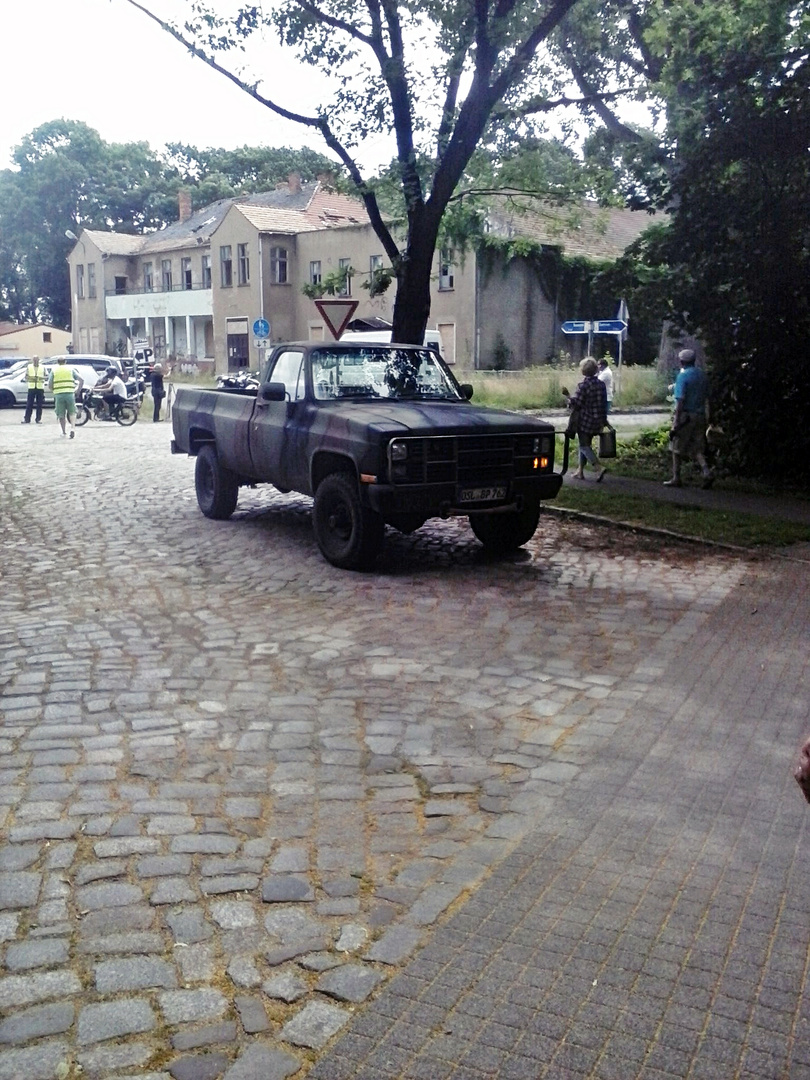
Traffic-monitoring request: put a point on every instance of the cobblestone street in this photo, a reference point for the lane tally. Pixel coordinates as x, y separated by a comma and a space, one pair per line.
240, 787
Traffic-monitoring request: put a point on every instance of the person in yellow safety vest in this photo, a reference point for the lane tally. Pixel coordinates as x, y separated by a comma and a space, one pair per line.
65, 384
35, 377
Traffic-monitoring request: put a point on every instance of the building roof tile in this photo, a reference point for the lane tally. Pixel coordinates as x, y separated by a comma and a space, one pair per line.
587, 229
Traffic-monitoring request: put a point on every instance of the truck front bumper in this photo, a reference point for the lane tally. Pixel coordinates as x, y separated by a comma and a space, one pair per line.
443, 500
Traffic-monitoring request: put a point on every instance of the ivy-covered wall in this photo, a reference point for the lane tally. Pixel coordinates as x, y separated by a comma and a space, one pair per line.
526, 290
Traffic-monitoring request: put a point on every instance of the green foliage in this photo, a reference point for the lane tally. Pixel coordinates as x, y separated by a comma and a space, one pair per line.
67, 177
738, 250
378, 281
333, 284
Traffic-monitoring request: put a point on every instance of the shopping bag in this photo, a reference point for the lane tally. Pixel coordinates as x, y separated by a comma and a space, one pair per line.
607, 442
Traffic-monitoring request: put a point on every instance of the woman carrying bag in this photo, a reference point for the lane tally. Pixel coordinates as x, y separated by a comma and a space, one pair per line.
588, 404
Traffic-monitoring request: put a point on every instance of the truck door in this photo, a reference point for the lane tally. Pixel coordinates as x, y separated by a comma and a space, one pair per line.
278, 428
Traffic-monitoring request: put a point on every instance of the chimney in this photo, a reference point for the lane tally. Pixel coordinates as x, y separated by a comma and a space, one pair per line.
184, 201
327, 180
294, 183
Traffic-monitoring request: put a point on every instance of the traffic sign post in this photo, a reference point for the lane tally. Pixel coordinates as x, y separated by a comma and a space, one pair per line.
261, 328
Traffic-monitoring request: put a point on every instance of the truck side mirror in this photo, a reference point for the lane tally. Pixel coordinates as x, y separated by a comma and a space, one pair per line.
274, 391
466, 390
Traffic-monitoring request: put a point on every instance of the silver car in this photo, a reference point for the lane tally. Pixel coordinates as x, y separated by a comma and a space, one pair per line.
14, 388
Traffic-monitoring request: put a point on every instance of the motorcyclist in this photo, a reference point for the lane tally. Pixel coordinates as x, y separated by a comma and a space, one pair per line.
113, 389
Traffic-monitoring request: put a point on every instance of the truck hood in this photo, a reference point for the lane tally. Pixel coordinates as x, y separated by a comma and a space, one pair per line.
425, 418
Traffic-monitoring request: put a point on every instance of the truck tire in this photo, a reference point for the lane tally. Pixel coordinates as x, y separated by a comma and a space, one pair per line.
501, 533
349, 534
217, 487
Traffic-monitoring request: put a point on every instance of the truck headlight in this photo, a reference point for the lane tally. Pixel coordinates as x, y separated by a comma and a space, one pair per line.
399, 451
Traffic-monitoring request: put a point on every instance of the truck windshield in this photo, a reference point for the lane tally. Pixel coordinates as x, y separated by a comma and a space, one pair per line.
380, 372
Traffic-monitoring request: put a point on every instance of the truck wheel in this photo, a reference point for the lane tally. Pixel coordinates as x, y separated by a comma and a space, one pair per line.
217, 488
506, 532
349, 535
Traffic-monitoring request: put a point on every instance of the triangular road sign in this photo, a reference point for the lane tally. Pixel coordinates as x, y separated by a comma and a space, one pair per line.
336, 314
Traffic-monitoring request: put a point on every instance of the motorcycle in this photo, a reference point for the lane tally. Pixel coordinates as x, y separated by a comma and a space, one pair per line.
243, 380
92, 406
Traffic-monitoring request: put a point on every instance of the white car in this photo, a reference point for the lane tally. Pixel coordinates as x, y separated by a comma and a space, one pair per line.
14, 388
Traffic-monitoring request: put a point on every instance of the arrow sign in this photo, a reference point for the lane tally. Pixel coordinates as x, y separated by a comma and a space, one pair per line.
576, 327
336, 314
609, 326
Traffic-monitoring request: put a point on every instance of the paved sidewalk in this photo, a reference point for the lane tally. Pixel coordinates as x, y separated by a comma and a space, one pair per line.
781, 507
656, 924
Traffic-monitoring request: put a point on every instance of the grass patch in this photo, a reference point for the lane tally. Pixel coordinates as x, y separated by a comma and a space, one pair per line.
540, 387
721, 526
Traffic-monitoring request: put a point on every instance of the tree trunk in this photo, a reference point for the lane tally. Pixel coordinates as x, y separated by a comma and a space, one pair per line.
412, 302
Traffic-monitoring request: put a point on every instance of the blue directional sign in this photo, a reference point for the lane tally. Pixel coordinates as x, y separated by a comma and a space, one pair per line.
261, 328
609, 326
576, 327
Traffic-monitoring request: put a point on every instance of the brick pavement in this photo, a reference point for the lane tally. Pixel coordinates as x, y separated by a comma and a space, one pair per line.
656, 923
241, 787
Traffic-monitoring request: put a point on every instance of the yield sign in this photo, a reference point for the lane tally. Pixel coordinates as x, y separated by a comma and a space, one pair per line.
336, 314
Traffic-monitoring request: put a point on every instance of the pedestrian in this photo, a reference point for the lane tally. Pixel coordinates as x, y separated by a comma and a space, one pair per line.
158, 392
65, 384
606, 376
687, 437
35, 377
589, 401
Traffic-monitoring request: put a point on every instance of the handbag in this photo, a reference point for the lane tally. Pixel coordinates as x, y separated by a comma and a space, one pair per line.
607, 442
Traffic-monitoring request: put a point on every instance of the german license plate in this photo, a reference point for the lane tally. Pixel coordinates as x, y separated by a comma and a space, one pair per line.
482, 494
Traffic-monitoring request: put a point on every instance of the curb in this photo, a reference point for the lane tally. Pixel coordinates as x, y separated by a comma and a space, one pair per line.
649, 530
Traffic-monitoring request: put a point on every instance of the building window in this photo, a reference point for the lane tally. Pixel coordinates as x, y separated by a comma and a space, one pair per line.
226, 266
46, 336
206, 271
375, 263
243, 264
80, 281
91, 280
278, 265
185, 273
120, 286
147, 277
315, 272
447, 274
345, 265
166, 274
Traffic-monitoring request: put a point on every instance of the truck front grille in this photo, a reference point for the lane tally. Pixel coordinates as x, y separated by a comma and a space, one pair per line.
471, 460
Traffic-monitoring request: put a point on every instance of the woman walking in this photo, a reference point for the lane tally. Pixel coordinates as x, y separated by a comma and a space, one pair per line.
590, 401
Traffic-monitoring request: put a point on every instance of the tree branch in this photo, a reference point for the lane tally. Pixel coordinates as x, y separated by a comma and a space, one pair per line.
298, 118
335, 23
525, 52
606, 115
319, 122
539, 104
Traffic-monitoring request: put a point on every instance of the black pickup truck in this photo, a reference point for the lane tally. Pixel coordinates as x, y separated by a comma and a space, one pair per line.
376, 434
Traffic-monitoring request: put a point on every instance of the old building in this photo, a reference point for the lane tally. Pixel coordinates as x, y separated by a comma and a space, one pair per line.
32, 339
193, 290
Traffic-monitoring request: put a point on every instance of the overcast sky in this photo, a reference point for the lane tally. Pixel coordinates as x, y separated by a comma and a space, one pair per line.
104, 63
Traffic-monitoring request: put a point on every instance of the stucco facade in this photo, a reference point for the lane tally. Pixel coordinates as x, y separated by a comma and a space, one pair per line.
36, 339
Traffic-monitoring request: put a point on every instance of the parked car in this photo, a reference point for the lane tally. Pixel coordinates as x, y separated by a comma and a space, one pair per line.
94, 360
14, 388
8, 362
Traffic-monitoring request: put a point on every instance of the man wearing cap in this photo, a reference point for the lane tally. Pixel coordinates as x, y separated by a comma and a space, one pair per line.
35, 377
65, 384
688, 434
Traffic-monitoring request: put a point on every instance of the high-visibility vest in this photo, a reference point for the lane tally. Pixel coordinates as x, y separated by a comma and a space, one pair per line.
62, 379
36, 377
